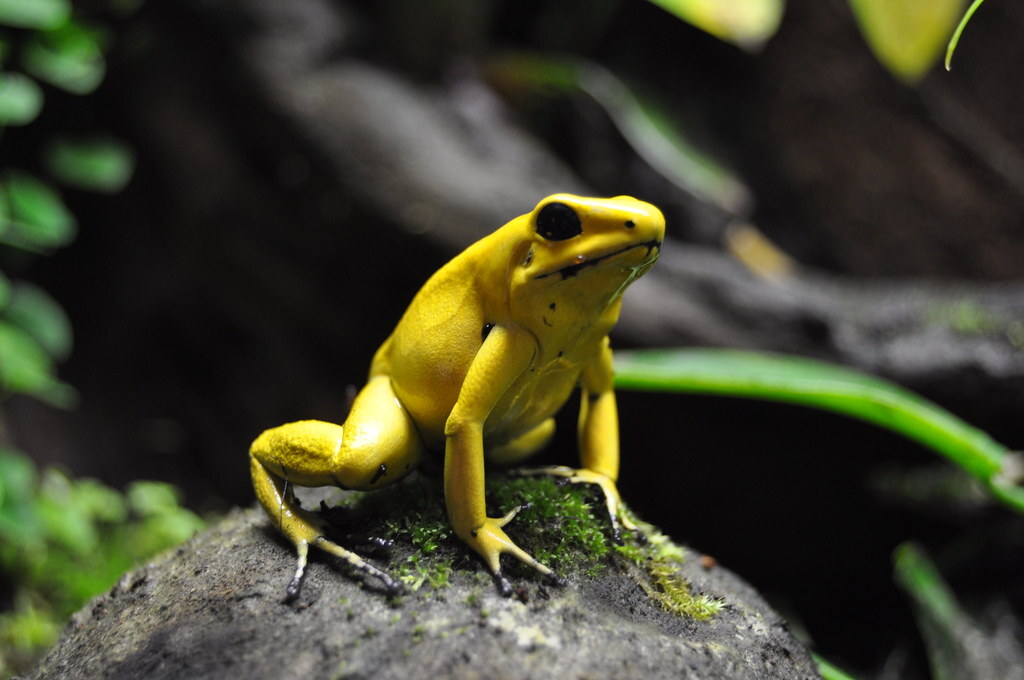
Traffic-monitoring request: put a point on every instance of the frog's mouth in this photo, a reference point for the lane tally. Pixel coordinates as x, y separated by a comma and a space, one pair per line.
573, 269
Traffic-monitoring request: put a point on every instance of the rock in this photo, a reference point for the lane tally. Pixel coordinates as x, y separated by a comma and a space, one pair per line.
214, 607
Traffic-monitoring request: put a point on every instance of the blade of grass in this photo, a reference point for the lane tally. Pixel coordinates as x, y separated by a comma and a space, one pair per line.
828, 671
824, 386
955, 40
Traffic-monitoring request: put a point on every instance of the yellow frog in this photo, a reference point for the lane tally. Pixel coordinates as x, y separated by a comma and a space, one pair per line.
488, 350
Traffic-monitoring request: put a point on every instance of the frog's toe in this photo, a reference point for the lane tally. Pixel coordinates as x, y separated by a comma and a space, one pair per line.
490, 542
352, 559
502, 584
510, 515
393, 587
557, 580
505, 588
616, 533
294, 588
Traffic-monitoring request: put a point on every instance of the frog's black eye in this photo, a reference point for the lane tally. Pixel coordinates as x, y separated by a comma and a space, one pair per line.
558, 222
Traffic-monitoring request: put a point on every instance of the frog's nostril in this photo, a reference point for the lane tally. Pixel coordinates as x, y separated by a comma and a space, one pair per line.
630, 224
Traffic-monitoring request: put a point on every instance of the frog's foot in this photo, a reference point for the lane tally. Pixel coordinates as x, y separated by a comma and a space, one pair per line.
613, 502
302, 527
490, 541
392, 586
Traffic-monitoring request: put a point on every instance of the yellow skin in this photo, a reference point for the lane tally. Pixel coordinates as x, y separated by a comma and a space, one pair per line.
488, 350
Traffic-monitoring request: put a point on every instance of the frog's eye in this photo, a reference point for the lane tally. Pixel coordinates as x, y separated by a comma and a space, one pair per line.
558, 222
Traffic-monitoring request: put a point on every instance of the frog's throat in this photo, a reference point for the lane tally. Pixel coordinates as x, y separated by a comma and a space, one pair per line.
574, 269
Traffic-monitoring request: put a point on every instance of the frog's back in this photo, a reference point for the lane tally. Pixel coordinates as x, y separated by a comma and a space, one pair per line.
434, 343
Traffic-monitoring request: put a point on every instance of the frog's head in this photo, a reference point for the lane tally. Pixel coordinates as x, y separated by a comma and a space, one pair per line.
586, 249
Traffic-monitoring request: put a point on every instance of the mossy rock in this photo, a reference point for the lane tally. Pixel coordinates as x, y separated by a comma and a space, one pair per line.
215, 608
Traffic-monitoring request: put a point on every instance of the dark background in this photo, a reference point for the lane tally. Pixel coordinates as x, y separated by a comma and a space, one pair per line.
248, 272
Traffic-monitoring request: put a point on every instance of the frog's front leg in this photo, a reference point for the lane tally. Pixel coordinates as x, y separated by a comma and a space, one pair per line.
504, 355
598, 439
377, 445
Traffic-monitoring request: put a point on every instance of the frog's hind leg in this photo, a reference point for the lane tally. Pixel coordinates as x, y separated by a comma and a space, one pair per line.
377, 445
300, 526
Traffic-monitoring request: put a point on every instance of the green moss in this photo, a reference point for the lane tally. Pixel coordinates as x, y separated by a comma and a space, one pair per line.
563, 526
559, 526
661, 559
413, 511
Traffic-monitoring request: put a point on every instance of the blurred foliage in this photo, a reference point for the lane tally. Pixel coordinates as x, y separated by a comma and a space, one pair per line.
41, 15
653, 135
44, 51
100, 164
745, 23
21, 99
63, 541
69, 57
906, 36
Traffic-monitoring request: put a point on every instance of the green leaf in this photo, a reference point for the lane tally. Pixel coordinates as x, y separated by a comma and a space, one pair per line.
37, 313
99, 164
27, 369
21, 99
24, 366
745, 23
833, 388
94, 499
69, 58
64, 522
907, 37
17, 511
163, 522
41, 15
17, 475
151, 498
38, 216
5, 291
